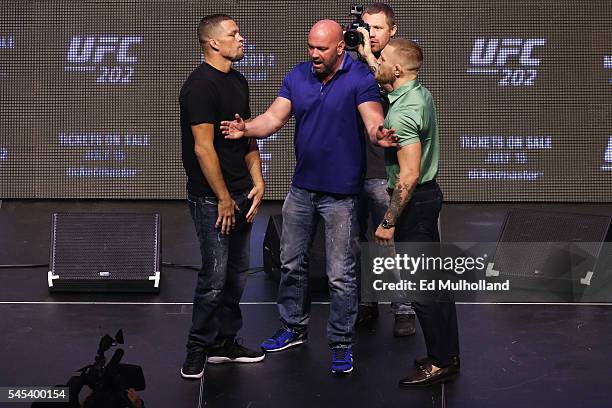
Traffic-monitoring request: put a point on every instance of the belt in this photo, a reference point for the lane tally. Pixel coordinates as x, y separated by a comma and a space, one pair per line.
427, 183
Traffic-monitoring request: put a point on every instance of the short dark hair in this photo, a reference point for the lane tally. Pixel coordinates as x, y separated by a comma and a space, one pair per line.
408, 51
376, 8
208, 24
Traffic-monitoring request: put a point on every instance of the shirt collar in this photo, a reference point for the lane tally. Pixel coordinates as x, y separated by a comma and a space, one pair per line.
402, 90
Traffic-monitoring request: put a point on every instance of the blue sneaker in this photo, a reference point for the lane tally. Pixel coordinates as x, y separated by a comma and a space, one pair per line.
282, 339
342, 360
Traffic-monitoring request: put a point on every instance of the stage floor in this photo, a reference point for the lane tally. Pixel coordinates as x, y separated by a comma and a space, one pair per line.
512, 355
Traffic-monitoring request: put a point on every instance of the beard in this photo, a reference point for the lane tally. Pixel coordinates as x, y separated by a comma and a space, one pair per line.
325, 67
384, 77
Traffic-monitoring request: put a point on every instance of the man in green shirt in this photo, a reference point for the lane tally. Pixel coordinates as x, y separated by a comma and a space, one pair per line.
373, 199
416, 198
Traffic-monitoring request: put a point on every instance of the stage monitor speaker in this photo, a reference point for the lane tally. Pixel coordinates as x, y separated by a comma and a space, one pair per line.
565, 250
103, 252
316, 261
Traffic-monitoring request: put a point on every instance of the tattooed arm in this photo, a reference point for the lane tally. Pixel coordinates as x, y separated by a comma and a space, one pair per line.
409, 158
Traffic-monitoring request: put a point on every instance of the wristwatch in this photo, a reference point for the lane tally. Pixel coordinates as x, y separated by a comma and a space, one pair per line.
386, 224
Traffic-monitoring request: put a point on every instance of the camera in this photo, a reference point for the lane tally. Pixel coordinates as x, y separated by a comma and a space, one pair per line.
352, 37
108, 381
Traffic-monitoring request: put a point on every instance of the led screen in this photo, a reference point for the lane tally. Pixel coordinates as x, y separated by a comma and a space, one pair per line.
89, 105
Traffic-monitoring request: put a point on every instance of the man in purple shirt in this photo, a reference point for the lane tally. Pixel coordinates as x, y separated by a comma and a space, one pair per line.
332, 98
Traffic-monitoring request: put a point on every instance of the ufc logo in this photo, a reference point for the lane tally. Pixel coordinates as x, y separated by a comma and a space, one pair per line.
492, 51
95, 49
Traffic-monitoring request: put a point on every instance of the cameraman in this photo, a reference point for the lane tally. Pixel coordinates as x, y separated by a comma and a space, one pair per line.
374, 199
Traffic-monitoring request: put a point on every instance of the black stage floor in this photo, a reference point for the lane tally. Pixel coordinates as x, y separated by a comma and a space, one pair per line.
513, 355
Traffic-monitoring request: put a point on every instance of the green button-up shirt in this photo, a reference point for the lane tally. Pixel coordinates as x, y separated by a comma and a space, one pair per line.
412, 114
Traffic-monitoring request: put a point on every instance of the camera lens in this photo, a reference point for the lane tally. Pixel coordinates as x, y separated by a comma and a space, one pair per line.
352, 38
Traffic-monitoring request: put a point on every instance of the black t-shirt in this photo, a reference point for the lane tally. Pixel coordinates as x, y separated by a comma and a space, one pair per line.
210, 96
375, 155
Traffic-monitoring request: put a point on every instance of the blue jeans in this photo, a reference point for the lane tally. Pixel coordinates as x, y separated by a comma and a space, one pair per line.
341, 246
221, 280
373, 203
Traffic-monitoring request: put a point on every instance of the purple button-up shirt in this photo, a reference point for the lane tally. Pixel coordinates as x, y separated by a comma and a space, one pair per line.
329, 142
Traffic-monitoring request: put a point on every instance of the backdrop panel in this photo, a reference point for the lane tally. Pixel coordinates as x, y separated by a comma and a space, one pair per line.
89, 105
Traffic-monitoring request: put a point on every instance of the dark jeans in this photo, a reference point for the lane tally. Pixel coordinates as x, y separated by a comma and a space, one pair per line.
221, 280
373, 204
419, 223
340, 217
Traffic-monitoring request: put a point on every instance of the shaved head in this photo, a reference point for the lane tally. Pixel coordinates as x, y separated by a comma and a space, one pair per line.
328, 29
325, 47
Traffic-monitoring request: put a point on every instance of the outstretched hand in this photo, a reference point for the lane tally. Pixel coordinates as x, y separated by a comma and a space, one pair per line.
234, 129
386, 137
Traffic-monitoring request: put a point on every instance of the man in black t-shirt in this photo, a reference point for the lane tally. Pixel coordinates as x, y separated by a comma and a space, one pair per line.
225, 187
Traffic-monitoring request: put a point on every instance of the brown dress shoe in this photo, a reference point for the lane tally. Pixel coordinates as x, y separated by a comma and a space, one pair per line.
422, 362
425, 377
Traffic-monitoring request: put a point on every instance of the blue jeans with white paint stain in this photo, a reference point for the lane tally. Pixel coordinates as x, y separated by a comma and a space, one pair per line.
222, 277
339, 214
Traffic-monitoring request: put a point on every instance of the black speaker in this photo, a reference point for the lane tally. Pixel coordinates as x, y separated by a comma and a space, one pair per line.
316, 261
563, 252
101, 252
